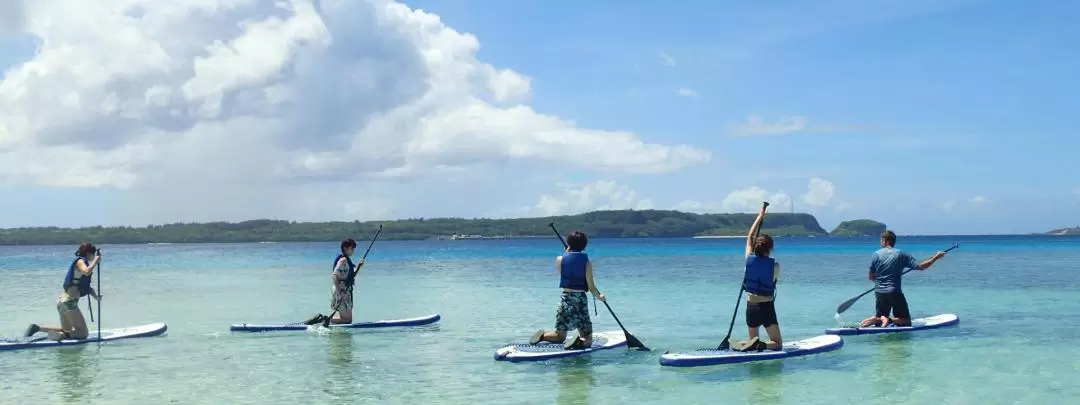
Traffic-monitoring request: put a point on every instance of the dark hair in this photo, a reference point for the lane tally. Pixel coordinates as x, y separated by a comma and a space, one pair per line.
576, 241
763, 245
85, 249
889, 237
347, 243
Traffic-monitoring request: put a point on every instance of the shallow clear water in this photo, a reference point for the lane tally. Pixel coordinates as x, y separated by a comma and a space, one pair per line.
1014, 344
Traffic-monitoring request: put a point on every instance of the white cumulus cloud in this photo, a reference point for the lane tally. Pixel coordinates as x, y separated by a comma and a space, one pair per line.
244, 108
820, 194
572, 199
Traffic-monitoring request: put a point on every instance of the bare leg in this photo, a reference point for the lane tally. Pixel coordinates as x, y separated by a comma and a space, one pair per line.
342, 317
776, 342
587, 339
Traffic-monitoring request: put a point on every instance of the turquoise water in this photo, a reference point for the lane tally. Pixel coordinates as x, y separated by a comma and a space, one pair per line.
1015, 344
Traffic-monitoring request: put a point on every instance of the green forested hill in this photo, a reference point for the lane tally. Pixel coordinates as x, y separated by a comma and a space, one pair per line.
613, 223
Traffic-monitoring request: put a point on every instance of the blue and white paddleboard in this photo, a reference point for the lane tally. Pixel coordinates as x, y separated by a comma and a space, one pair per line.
930, 322
418, 321
710, 357
41, 340
544, 351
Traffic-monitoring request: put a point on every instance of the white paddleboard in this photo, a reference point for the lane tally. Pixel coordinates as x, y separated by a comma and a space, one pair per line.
930, 322
544, 351
41, 339
709, 357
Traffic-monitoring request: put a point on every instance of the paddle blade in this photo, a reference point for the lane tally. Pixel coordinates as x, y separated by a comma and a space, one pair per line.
847, 304
632, 341
726, 344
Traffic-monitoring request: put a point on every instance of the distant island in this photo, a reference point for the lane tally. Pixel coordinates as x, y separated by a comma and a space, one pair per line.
859, 227
599, 224
1065, 231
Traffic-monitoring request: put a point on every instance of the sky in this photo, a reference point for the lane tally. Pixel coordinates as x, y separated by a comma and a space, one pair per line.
934, 117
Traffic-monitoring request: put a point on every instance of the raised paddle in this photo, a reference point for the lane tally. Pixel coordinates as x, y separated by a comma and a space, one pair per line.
726, 343
847, 304
351, 278
631, 341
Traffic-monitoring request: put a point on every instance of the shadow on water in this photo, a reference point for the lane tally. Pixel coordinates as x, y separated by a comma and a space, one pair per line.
341, 380
575, 380
73, 375
771, 371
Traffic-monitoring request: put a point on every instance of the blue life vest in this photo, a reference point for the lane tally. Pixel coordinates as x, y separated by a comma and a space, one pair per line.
348, 277
84, 282
759, 275
573, 271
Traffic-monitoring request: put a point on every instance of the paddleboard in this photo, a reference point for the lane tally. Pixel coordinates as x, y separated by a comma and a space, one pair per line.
423, 320
709, 357
41, 340
518, 352
930, 322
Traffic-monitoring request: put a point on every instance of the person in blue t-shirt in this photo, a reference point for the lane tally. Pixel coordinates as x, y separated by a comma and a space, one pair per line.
886, 269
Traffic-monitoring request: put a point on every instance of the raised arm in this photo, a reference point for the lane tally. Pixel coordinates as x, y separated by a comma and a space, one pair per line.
754, 230
925, 264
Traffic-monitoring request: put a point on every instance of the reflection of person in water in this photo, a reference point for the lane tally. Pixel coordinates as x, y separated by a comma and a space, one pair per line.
71, 373
341, 380
575, 380
893, 365
767, 380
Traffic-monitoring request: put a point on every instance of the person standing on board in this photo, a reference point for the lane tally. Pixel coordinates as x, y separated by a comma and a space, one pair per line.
576, 276
760, 277
76, 285
886, 268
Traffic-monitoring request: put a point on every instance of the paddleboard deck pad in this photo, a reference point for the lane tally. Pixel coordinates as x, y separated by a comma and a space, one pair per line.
710, 357
519, 352
930, 322
418, 321
41, 340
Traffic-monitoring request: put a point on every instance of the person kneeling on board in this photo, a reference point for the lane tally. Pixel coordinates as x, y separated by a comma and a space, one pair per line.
759, 280
573, 311
76, 285
343, 278
886, 269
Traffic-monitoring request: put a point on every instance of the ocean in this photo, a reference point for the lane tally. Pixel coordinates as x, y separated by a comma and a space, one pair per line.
1015, 343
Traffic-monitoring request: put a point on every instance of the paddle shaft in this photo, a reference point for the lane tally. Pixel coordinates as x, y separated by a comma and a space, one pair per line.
352, 276
98, 292
631, 341
847, 304
726, 343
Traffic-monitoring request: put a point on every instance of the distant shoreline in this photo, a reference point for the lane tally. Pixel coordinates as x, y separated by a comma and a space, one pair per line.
596, 224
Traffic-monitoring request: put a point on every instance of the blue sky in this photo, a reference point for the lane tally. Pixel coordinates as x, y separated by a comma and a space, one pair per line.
932, 116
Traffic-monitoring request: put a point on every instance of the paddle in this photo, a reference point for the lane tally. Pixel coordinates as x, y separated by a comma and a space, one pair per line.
90, 300
847, 304
98, 292
726, 343
351, 278
631, 341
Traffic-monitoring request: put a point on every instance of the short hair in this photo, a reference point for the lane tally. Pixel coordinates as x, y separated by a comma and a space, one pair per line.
763, 245
889, 237
85, 249
347, 243
577, 241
